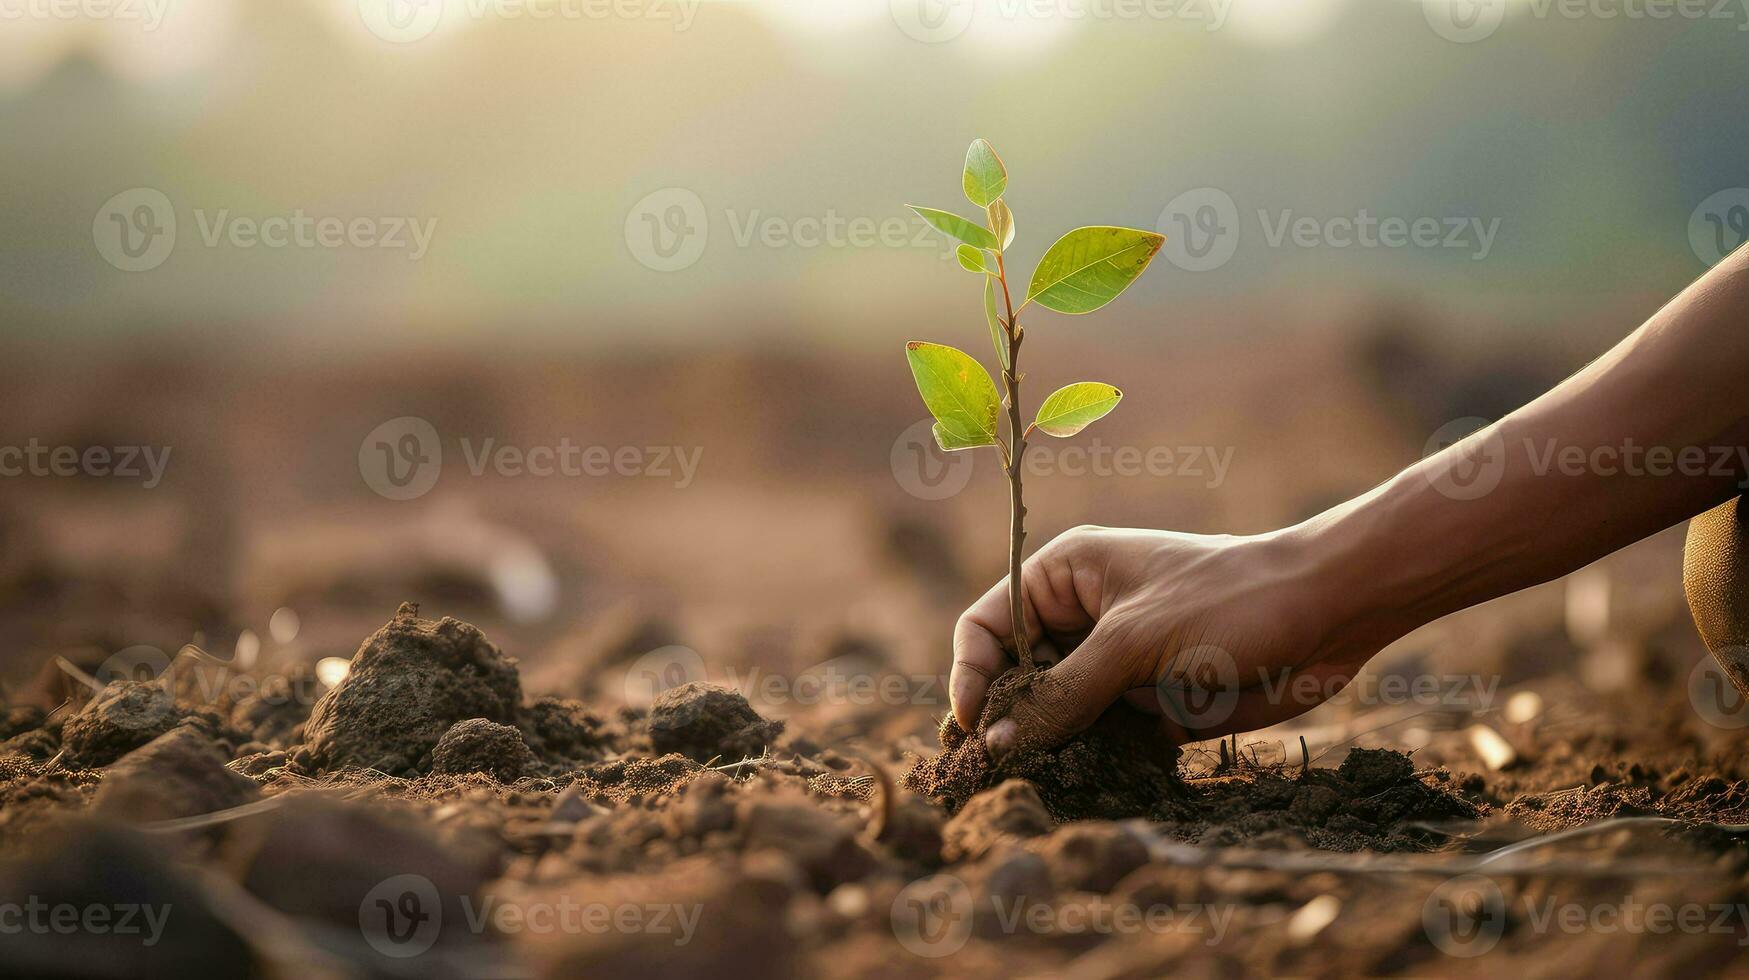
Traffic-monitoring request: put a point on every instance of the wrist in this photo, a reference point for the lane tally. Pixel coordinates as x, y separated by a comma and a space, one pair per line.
1369, 567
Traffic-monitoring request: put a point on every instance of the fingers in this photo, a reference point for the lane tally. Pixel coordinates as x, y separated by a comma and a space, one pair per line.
983, 639
1066, 699
978, 653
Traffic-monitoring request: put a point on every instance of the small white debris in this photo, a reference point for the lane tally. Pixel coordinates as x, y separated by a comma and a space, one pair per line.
1523, 706
849, 900
1495, 751
1313, 917
248, 648
332, 670
283, 625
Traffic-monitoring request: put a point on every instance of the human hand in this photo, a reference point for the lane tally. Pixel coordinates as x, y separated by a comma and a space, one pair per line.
1185, 626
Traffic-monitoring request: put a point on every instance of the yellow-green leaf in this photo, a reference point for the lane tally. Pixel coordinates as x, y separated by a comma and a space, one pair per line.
998, 336
985, 178
1001, 222
972, 260
950, 224
1072, 408
1089, 267
958, 392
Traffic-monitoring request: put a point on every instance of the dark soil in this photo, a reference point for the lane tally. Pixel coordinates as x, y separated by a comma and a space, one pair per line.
425, 768
1118, 768
409, 682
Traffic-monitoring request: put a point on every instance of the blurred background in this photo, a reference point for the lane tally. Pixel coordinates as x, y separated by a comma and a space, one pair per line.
581, 319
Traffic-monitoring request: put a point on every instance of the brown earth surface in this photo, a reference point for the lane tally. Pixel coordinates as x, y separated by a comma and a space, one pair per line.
427, 816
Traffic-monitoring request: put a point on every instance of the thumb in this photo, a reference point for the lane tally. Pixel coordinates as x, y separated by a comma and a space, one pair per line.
1063, 700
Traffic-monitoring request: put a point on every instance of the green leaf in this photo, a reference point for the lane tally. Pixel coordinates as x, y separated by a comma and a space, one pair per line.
998, 336
972, 260
954, 226
1072, 408
1001, 222
1088, 267
959, 394
985, 178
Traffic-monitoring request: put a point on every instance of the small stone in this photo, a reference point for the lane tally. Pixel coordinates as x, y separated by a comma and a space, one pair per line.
822, 844
38, 745
122, 717
1011, 811
179, 774
703, 807
1092, 856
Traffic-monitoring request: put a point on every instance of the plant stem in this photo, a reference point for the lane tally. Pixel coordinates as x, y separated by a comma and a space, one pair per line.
1016, 503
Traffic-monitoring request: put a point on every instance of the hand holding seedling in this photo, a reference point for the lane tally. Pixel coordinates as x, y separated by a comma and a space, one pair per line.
1086, 269
1144, 616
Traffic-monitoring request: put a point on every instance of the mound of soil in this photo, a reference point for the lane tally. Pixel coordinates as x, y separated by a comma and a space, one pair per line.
409, 682
1120, 767
478, 745
707, 722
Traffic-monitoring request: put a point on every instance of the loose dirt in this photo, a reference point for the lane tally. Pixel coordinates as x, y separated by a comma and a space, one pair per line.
424, 817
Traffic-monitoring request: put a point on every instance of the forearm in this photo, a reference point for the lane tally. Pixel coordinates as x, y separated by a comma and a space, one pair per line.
1646, 436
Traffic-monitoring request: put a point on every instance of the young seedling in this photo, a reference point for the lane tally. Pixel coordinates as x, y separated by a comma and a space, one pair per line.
1083, 271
